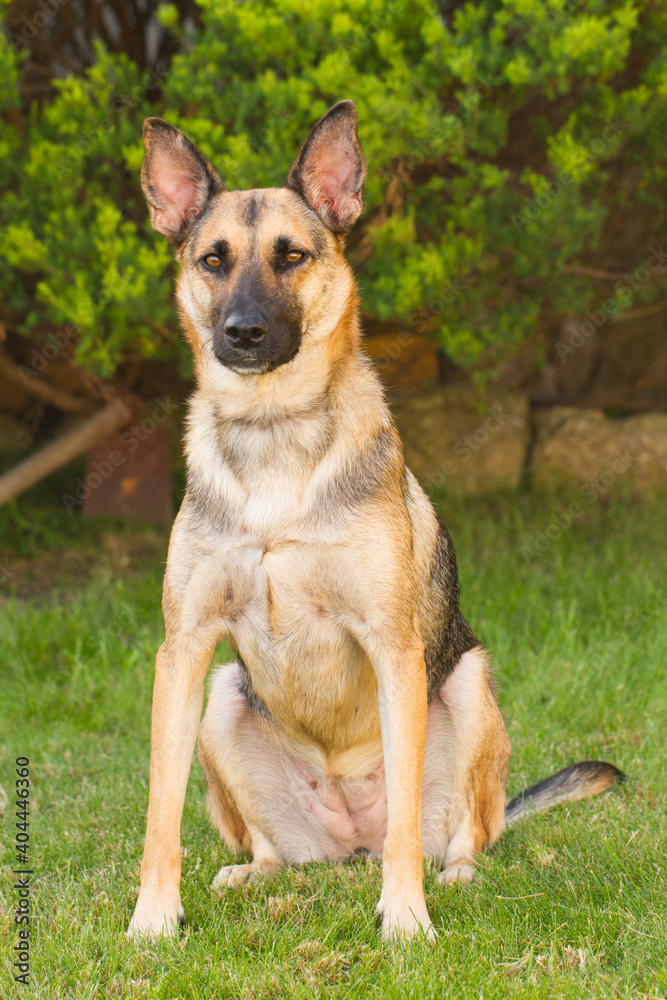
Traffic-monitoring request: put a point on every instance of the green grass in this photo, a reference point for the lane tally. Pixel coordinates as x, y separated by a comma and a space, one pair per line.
570, 904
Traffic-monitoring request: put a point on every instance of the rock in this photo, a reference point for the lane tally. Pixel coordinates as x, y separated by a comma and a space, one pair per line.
590, 451
606, 360
404, 360
457, 439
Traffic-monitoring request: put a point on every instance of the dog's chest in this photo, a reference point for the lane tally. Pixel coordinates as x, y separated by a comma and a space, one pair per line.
272, 584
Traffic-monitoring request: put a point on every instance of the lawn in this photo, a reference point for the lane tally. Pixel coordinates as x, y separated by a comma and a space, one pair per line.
572, 903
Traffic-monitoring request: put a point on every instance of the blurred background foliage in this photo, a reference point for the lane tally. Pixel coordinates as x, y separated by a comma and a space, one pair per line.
515, 147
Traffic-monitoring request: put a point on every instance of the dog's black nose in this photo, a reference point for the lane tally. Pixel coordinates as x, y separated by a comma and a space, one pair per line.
245, 328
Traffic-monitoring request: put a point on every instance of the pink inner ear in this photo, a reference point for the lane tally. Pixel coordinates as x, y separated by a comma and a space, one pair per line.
177, 186
178, 197
333, 180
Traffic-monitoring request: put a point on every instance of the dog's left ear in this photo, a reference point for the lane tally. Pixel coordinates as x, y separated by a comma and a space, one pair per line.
330, 170
177, 179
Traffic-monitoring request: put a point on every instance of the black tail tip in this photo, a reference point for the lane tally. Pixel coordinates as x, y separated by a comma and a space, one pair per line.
599, 770
619, 775
577, 781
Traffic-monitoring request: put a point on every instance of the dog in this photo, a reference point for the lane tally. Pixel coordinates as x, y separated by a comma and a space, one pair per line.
360, 714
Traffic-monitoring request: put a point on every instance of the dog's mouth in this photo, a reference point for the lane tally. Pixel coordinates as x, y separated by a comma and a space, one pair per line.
249, 366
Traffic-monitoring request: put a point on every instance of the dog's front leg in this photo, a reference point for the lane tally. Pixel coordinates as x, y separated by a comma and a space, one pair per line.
178, 694
401, 679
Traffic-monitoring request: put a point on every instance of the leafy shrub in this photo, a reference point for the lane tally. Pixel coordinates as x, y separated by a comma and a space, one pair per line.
508, 141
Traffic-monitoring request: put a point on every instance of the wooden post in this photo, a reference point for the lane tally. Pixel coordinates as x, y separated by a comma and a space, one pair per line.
61, 451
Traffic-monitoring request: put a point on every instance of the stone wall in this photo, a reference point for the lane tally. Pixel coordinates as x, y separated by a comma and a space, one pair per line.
459, 440
453, 439
576, 447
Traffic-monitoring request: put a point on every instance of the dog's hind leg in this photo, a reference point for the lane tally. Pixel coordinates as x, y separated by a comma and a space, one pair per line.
265, 862
233, 828
260, 799
467, 755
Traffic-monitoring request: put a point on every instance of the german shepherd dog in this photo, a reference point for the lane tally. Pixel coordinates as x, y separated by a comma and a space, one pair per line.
359, 715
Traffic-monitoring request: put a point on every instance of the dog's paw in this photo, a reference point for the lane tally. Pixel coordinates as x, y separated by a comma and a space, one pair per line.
153, 918
459, 872
402, 922
232, 875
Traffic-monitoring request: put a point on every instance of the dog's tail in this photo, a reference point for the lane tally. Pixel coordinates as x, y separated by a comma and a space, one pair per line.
578, 781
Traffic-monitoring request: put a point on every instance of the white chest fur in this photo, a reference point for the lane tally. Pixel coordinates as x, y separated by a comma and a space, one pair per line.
257, 563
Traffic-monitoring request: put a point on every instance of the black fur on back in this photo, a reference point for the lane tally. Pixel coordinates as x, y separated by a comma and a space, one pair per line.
447, 635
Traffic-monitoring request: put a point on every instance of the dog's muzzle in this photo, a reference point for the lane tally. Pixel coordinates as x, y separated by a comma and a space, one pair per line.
238, 347
244, 344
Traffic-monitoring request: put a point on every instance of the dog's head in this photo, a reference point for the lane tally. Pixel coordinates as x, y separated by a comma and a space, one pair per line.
259, 268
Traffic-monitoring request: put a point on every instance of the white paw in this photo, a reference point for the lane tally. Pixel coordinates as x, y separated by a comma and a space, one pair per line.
232, 875
459, 871
154, 918
402, 921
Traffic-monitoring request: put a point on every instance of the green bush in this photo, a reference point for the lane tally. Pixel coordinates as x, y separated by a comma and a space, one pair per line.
508, 141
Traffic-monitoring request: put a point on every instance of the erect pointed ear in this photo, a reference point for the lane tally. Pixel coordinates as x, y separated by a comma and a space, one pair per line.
177, 179
330, 170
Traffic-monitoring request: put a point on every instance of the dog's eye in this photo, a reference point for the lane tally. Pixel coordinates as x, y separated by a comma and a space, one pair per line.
212, 260
293, 256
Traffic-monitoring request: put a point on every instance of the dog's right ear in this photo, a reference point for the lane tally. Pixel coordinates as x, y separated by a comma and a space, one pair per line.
177, 179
